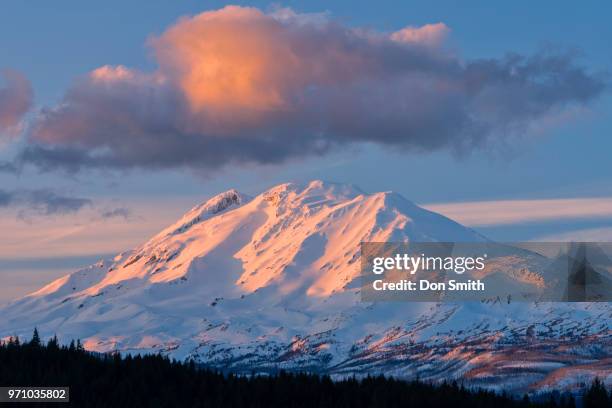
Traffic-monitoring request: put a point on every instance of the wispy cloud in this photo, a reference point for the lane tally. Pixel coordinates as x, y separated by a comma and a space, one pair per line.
580, 235
42, 202
504, 212
119, 212
86, 232
238, 86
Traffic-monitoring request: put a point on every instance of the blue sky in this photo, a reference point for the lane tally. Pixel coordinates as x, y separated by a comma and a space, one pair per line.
55, 44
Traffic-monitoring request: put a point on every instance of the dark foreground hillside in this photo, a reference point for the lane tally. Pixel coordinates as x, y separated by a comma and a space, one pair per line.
154, 381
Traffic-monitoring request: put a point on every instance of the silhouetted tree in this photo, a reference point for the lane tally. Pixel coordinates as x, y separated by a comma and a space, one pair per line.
53, 344
35, 338
597, 396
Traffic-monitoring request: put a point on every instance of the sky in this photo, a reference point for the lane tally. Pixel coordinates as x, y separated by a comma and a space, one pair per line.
116, 118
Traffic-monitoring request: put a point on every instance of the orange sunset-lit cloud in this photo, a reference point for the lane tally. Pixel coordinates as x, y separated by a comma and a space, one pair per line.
238, 58
431, 34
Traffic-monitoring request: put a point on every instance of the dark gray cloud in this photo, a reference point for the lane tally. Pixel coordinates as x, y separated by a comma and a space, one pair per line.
119, 212
239, 86
16, 98
8, 167
5, 198
42, 202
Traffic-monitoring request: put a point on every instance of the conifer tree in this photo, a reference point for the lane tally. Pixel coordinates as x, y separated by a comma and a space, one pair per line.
35, 338
597, 396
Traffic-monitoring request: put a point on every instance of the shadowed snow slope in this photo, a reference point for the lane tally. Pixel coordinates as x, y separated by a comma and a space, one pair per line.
272, 282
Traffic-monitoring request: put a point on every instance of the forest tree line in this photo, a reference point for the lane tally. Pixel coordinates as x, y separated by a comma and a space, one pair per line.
105, 380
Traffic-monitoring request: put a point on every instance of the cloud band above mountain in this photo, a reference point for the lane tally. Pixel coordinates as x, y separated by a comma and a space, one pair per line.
513, 212
238, 85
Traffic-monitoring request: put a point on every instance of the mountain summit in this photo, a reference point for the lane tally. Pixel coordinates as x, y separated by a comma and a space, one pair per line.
233, 245
270, 282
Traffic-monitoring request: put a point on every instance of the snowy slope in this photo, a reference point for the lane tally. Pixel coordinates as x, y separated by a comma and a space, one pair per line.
271, 282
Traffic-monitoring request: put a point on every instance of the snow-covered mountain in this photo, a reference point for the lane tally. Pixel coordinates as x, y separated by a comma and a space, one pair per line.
270, 282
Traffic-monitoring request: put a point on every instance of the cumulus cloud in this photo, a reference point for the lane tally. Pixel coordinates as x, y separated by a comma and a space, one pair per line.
237, 85
16, 97
42, 202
